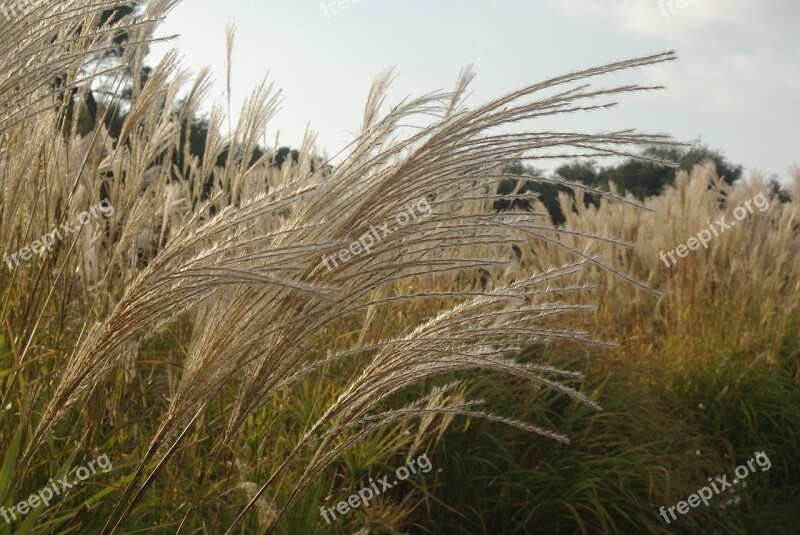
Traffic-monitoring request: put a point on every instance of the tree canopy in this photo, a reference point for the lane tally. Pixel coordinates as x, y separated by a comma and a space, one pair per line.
640, 178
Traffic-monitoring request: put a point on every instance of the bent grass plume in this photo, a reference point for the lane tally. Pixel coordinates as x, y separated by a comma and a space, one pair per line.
244, 266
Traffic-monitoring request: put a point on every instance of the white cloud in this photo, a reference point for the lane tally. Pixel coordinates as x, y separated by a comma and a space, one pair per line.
742, 82
748, 71
753, 20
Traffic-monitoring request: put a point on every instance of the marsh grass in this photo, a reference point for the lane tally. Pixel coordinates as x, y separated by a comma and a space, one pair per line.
702, 377
657, 441
195, 336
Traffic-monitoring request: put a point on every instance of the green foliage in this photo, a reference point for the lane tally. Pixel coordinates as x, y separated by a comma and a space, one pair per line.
636, 176
547, 192
659, 438
644, 179
779, 190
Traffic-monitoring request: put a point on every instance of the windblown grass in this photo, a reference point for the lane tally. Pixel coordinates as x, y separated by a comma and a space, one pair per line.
735, 296
189, 336
703, 377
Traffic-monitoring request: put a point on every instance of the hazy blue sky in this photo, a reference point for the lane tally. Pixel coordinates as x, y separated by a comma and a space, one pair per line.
736, 86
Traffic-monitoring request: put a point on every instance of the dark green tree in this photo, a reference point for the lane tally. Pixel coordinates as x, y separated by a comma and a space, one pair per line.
67, 91
640, 178
548, 192
644, 179
778, 190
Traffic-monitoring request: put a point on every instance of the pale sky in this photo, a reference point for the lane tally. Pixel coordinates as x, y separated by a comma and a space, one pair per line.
736, 85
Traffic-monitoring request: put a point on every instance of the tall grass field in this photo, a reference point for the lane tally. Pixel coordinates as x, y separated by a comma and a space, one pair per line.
240, 343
